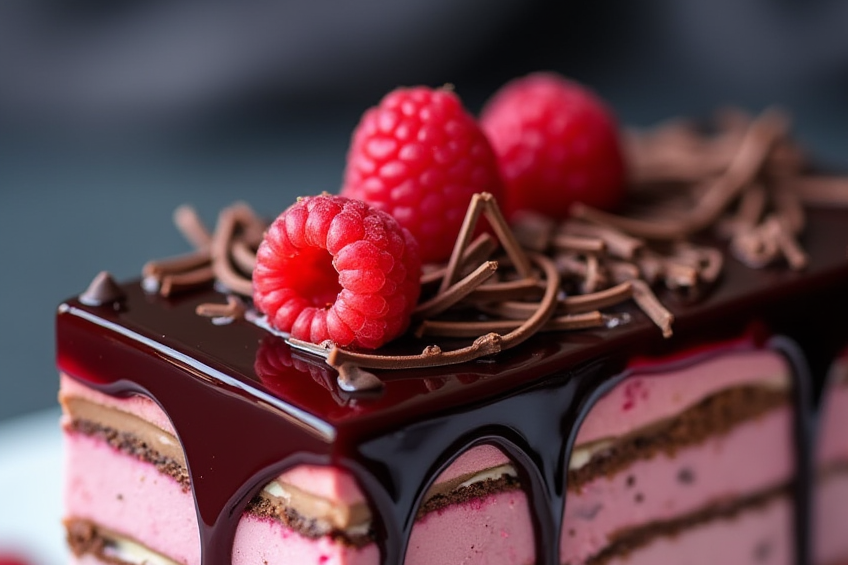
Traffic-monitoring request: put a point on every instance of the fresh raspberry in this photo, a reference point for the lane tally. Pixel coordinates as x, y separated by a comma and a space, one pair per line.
335, 268
557, 143
420, 156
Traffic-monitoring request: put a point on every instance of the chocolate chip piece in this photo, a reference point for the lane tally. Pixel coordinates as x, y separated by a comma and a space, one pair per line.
762, 551
686, 476
103, 290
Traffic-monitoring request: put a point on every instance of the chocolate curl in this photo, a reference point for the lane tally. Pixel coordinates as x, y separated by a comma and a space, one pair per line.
651, 306
178, 282
191, 226
214, 252
244, 256
761, 136
456, 292
181, 263
621, 271
533, 231
233, 309
616, 243
570, 305
506, 290
477, 251
433, 355
589, 269
484, 203
567, 322
594, 279
228, 220
752, 205
579, 244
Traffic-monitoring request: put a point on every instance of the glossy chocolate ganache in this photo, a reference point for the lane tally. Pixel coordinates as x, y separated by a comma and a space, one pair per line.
246, 405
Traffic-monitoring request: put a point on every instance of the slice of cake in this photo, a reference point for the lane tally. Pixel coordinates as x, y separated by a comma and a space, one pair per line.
601, 389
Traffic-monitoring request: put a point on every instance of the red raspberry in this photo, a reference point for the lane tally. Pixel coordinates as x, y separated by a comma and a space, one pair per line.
335, 268
556, 144
420, 157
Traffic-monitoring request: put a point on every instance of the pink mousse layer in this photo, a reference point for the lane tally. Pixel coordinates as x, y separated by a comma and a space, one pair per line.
324, 482
757, 536
830, 542
488, 531
833, 430
753, 457
640, 401
131, 497
643, 399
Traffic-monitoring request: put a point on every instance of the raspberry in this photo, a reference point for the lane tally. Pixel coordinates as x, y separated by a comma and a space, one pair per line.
335, 268
556, 144
421, 157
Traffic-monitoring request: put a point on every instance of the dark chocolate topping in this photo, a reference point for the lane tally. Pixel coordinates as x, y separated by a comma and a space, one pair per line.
229, 388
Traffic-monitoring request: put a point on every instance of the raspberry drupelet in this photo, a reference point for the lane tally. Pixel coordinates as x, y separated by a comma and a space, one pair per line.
420, 156
335, 268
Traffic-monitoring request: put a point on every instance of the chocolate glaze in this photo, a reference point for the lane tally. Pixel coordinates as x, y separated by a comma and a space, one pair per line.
231, 390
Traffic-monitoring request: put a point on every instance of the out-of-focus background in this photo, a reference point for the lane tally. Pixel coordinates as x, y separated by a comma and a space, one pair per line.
112, 113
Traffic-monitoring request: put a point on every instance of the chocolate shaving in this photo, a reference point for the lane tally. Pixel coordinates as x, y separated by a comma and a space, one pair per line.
188, 280
192, 228
651, 306
761, 136
222, 241
233, 309
477, 251
457, 291
484, 203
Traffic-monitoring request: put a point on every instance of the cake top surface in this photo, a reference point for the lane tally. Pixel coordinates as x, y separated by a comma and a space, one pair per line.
242, 355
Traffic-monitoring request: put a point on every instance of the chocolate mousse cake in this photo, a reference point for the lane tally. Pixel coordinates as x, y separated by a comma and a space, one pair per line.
610, 388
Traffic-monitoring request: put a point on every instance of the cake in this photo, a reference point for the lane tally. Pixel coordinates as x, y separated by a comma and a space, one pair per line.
672, 424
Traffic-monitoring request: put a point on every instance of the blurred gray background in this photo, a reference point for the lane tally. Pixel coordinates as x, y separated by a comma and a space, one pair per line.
114, 112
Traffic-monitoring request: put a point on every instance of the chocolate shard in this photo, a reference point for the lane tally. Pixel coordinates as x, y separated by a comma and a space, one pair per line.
103, 290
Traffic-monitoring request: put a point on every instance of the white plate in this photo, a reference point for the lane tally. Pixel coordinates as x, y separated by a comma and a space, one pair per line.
31, 489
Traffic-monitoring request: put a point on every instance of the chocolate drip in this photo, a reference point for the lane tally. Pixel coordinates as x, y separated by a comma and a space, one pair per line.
228, 389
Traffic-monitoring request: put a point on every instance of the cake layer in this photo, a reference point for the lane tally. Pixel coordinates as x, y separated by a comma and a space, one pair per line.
756, 533
129, 497
829, 522
713, 417
757, 456
647, 398
599, 509
833, 440
500, 521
